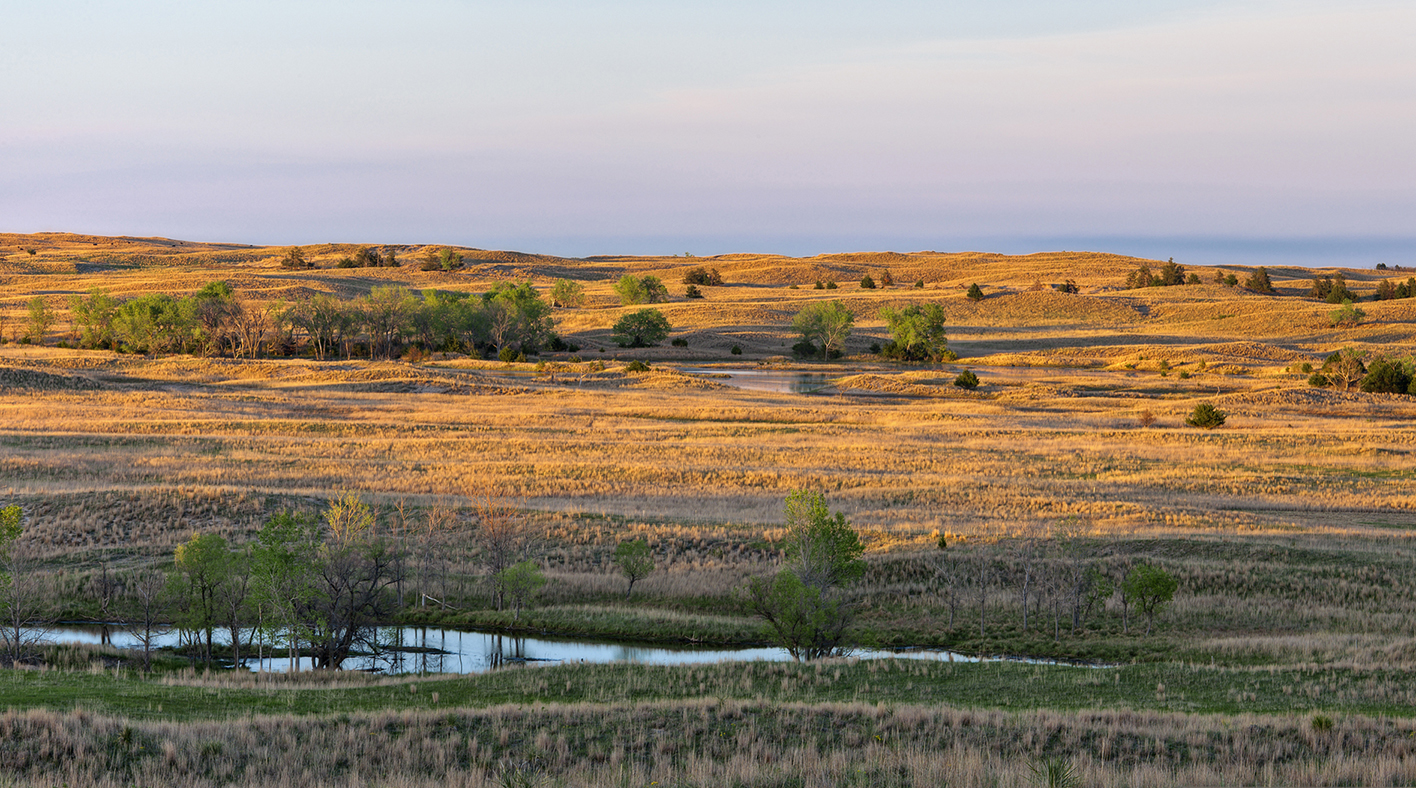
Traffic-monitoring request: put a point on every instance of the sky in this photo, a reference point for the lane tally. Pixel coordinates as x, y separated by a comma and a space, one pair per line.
1243, 132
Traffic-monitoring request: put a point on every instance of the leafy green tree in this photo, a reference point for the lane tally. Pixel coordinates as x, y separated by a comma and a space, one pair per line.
641, 328
41, 319
388, 319
283, 567
1206, 416
156, 323
630, 290
1150, 589
825, 325
566, 294
520, 582
517, 318
803, 604
94, 317
200, 570
647, 289
327, 322
917, 333
635, 562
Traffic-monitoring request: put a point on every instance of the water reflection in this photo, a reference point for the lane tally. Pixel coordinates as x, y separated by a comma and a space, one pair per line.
780, 382
437, 650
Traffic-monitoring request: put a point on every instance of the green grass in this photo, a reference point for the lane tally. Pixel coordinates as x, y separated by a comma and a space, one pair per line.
1168, 687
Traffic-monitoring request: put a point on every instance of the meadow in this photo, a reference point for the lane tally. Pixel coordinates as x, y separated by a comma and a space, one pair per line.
1289, 528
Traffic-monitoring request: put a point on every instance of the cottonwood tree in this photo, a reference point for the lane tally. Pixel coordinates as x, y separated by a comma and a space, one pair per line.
1150, 589
234, 597
520, 582
566, 294
641, 328
635, 562
41, 319
917, 333
282, 574
200, 566
826, 324
804, 604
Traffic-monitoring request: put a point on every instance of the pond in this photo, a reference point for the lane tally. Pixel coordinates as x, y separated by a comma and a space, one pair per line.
777, 381
437, 650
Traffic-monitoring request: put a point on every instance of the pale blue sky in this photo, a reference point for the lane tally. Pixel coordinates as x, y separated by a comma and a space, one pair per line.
1164, 128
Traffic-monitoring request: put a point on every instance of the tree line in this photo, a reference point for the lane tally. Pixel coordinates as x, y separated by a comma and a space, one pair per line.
511, 320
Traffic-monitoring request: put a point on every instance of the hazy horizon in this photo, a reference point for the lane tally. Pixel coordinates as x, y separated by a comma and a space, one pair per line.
1238, 132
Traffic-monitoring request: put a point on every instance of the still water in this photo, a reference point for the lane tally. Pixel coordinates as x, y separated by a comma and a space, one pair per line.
428, 649
781, 382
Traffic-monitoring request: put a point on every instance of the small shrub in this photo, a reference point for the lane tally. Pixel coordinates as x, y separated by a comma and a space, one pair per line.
1306, 368
1147, 418
679, 342
919, 284
346, 262
819, 286
511, 355
736, 350
1322, 723
975, 292
1348, 315
830, 285
886, 280
636, 366
875, 348
692, 291
805, 349
1184, 375
966, 380
1206, 416
793, 287
866, 283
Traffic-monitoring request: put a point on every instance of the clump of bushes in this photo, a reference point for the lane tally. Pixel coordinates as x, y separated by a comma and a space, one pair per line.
966, 380
708, 277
